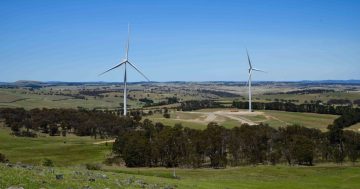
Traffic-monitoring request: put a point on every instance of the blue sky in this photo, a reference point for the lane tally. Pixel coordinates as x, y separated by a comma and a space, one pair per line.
179, 40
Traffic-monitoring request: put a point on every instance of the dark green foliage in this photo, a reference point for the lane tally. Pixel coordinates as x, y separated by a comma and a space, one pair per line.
338, 141
59, 121
199, 104
339, 102
3, 158
172, 100
304, 91
48, 163
298, 144
220, 93
149, 102
303, 150
357, 102
352, 145
290, 107
92, 166
215, 139
146, 101
158, 145
166, 115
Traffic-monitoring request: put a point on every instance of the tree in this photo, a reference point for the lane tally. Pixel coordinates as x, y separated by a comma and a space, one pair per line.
3, 158
352, 145
303, 150
215, 138
166, 115
133, 148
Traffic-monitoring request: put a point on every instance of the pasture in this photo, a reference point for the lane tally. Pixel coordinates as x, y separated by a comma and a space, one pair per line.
63, 151
110, 95
70, 153
258, 177
232, 117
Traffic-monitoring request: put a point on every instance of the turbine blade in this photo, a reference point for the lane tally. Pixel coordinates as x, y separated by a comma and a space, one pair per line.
138, 70
128, 43
113, 68
258, 70
248, 59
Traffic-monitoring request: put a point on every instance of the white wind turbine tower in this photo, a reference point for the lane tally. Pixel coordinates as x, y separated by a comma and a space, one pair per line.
125, 62
249, 80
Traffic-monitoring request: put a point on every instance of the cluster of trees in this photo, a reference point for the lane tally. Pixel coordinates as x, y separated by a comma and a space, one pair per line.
345, 142
199, 104
146, 101
339, 102
149, 102
95, 92
291, 107
305, 91
62, 121
357, 102
158, 145
219, 93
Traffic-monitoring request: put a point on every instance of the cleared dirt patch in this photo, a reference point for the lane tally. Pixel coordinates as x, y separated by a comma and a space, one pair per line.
106, 141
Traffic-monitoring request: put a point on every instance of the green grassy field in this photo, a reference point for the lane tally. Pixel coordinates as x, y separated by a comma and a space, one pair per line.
21, 98
55, 96
259, 177
63, 151
324, 97
198, 119
70, 157
311, 120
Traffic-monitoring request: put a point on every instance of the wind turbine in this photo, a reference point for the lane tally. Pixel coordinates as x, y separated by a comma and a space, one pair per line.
125, 62
249, 80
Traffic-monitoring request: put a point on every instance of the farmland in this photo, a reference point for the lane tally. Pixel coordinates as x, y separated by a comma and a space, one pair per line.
261, 177
231, 118
109, 95
63, 151
71, 153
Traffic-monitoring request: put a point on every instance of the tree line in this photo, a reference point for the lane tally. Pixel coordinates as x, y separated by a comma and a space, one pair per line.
291, 107
281, 106
81, 122
199, 104
154, 145
304, 91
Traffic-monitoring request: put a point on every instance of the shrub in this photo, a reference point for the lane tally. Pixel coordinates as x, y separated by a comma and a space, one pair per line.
166, 115
48, 163
3, 158
92, 166
113, 160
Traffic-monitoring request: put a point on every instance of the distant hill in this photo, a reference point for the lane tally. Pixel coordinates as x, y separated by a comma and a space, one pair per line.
30, 83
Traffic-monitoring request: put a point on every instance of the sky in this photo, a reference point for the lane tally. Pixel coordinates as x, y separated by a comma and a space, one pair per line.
185, 40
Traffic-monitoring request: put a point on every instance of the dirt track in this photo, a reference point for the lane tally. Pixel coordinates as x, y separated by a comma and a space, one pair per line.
215, 116
106, 141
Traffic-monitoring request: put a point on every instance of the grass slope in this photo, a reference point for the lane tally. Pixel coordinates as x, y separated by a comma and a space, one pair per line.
311, 120
70, 150
259, 177
197, 119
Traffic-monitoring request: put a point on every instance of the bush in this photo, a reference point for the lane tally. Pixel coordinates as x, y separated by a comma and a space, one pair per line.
3, 158
92, 166
166, 115
48, 163
116, 160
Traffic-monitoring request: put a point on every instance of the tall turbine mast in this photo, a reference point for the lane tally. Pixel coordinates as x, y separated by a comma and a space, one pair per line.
249, 80
125, 62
